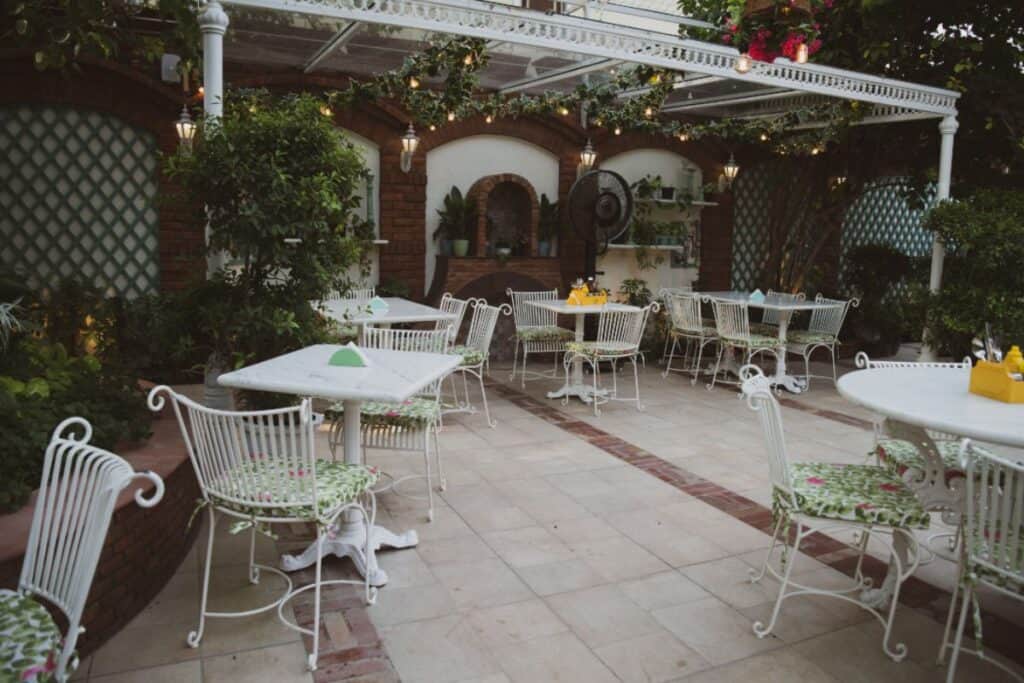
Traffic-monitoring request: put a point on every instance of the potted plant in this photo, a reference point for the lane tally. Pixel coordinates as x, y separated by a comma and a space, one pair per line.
503, 248
270, 171
548, 226
455, 223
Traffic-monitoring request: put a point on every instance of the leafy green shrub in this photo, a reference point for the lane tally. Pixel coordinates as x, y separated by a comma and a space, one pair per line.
884, 279
41, 385
983, 279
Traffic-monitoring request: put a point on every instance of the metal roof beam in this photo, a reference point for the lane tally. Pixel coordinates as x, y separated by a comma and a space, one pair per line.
338, 40
560, 74
728, 100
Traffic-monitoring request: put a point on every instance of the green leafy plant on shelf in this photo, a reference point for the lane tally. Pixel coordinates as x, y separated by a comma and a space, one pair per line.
279, 185
456, 219
549, 226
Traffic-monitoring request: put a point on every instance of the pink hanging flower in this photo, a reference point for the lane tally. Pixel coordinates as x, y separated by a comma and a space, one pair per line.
727, 38
815, 481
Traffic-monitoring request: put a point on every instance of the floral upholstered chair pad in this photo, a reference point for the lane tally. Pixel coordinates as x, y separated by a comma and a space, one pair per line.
808, 337
30, 641
337, 484
854, 493
599, 350
415, 412
705, 331
900, 455
544, 333
754, 341
470, 356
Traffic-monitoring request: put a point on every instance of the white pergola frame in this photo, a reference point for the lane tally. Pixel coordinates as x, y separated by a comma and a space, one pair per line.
605, 44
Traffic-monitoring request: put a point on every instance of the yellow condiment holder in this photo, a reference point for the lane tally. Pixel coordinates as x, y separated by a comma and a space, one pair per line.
581, 296
993, 380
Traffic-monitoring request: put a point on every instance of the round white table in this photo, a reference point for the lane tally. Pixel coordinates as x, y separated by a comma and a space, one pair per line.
935, 398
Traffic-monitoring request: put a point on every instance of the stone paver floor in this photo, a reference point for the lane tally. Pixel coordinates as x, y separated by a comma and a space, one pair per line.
556, 554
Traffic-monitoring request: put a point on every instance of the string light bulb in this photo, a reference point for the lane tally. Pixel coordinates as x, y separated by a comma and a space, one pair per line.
414, 82
468, 59
433, 127
802, 53
683, 137
326, 111
488, 119
743, 63
563, 110
451, 116
649, 112
764, 137
618, 131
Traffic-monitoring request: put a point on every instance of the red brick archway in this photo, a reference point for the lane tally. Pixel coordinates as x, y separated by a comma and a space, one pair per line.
480, 192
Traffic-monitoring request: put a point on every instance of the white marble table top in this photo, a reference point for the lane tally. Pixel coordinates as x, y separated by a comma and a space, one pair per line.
560, 306
771, 301
390, 376
935, 398
399, 311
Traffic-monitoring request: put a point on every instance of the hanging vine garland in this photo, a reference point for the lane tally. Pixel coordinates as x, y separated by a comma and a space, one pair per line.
631, 100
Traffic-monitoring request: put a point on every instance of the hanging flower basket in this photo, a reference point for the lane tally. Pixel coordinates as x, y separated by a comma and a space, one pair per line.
766, 29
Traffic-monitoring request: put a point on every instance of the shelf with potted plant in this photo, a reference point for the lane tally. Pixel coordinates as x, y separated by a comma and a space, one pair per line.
455, 222
549, 227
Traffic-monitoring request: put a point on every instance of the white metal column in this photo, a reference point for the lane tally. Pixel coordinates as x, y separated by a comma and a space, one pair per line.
213, 23
947, 129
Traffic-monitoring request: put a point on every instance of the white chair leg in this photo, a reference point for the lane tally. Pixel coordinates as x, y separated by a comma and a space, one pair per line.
945, 645
636, 384
807, 368
696, 365
755, 575
965, 607
522, 373
437, 458
760, 630
718, 363
671, 355
430, 485
311, 662
254, 571
515, 359
483, 397
835, 375
596, 369
566, 362
195, 636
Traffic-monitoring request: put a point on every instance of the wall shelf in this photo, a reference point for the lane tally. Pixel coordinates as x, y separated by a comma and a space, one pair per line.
673, 202
659, 247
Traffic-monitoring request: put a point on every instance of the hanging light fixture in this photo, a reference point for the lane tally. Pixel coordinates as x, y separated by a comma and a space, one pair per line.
588, 157
743, 63
186, 128
730, 170
802, 52
410, 141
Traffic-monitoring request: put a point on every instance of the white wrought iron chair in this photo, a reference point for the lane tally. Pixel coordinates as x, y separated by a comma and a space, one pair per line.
476, 352
350, 332
457, 307
619, 334
769, 324
993, 548
665, 295
821, 497
732, 323
79, 488
537, 331
408, 426
687, 325
260, 468
822, 333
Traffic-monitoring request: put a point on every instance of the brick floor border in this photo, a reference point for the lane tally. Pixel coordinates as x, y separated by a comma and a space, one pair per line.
1001, 635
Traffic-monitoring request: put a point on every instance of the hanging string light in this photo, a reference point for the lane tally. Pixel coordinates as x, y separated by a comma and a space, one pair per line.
802, 53
451, 116
743, 63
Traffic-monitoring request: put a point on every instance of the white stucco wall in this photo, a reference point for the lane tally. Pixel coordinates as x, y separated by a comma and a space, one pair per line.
462, 162
371, 159
621, 264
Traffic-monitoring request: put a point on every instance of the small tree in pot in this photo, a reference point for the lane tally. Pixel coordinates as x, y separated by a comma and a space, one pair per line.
277, 184
456, 217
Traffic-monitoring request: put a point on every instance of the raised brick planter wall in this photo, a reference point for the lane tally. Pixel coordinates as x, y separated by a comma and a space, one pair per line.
144, 547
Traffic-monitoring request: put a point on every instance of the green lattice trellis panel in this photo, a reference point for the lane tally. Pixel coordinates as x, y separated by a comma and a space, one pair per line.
749, 237
78, 199
883, 216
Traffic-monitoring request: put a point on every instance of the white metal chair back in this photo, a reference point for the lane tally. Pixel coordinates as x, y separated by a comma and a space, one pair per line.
482, 324
525, 315
994, 522
623, 330
419, 341
450, 304
684, 309
732, 319
354, 294
263, 460
665, 295
862, 361
770, 316
757, 391
829, 320
79, 488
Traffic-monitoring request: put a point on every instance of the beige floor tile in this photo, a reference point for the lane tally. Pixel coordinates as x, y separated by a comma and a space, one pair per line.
559, 577
507, 624
716, 631
561, 657
618, 559
779, 666
458, 549
400, 605
602, 615
528, 546
405, 568
855, 654
279, 664
481, 583
183, 672
652, 658
138, 647
438, 650
224, 636
581, 529
662, 590
728, 579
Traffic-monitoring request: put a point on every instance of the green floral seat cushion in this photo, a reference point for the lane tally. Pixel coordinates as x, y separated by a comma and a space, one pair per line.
30, 641
413, 412
854, 493
808, 337
705, 331
756, 341
470, 356
765, 328
900, 455
595, 350
544, 333
337, 483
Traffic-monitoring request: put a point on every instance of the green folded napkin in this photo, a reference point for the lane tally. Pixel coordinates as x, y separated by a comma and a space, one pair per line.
348, 356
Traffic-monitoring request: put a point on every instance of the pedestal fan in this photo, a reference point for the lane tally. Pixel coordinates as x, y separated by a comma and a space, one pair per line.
600, 207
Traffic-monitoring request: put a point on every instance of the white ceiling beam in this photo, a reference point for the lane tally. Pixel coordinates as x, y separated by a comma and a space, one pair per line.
338, 40
729, 100
560, 74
